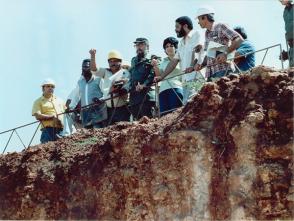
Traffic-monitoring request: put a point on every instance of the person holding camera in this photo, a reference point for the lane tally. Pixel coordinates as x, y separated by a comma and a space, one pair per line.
142, 96
88, 91
113, 79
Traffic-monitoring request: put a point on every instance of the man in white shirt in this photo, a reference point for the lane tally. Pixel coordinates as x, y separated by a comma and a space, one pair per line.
190, 43
113, 78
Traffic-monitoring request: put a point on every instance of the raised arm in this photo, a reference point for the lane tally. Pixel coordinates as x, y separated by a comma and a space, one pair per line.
93, 60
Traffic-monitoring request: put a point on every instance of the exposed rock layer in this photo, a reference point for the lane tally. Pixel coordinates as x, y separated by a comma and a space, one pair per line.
228, 154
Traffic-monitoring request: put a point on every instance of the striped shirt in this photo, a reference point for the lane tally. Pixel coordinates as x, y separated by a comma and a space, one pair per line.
222, 34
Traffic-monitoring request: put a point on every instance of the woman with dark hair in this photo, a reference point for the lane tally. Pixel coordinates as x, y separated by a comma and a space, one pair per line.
171, 91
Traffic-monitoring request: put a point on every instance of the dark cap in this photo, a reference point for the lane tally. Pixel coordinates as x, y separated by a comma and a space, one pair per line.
141, 40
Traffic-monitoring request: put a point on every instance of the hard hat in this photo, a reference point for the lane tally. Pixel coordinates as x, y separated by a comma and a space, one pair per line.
204, 11
114, 55
48, 81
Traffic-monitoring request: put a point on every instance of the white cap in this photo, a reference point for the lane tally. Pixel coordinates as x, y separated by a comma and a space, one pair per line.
48, 81
205, 10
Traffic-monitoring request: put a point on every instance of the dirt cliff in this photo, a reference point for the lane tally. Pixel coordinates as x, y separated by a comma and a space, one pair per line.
226, 155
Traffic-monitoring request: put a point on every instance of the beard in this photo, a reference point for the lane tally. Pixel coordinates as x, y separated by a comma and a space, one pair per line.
141, 53
181, 33
87, 73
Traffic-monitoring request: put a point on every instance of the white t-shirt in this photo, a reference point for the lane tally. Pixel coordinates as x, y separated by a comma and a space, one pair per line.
186, 55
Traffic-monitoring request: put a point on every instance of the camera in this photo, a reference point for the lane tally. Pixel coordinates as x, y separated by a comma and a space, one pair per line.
118, 85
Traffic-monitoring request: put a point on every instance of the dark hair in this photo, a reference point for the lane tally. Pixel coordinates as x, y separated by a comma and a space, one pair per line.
86, 60
173, 41
240, 30
209, 17
185, 20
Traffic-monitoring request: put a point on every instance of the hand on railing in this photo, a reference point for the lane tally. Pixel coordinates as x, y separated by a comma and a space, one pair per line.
157, 79
96, 100
140, 87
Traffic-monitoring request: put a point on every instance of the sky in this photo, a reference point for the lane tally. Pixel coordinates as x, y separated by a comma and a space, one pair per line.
50, 38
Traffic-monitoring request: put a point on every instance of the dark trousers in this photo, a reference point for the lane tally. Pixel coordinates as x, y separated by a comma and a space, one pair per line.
96, 125
49, 134
142, 109
170, 99
118, 114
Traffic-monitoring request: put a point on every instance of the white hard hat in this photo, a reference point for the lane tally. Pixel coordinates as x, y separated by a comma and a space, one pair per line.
204, 11
48, 81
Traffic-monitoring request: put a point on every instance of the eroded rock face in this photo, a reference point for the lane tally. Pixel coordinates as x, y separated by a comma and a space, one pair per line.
228, 154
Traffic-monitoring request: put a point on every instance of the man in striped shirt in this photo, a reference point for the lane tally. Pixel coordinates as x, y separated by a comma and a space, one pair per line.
218, 33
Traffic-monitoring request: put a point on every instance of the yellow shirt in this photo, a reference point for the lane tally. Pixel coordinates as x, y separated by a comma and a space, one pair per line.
49, 106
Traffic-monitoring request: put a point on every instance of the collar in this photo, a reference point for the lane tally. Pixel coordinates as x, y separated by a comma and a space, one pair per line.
147, 57
212, 28
91, 79
191, 33
53, 97
188, 37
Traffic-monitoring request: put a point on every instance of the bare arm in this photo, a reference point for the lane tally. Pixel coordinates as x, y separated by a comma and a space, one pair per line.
170, 67
93, 60
235, 44
43, 116
154, 63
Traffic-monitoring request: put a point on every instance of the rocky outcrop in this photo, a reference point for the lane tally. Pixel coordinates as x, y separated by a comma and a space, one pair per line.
227, 155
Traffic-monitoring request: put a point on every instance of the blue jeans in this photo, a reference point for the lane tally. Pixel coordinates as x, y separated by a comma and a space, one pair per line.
49, 134
170, 99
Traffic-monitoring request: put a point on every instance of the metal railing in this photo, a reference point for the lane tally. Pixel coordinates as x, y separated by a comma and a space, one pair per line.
14, 130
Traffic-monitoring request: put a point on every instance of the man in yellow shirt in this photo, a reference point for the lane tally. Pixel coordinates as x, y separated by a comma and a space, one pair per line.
46, 109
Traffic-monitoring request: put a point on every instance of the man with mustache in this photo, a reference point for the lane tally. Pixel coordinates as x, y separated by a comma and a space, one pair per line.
114, 78
142, 97
190, 44
89, 93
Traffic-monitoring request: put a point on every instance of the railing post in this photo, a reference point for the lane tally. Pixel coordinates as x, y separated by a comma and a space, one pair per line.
8, 141
281, 51
264, 56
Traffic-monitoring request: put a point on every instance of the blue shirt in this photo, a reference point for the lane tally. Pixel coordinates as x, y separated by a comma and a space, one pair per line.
249, 61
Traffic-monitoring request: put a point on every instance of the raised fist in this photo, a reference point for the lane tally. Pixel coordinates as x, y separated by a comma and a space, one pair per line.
92, 52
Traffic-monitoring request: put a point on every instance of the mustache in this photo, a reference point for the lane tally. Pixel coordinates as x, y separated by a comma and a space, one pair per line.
115, 65
140, 50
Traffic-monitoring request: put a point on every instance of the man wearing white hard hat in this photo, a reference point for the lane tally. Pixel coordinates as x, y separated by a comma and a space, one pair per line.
217, 34
113, 79
47, 110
